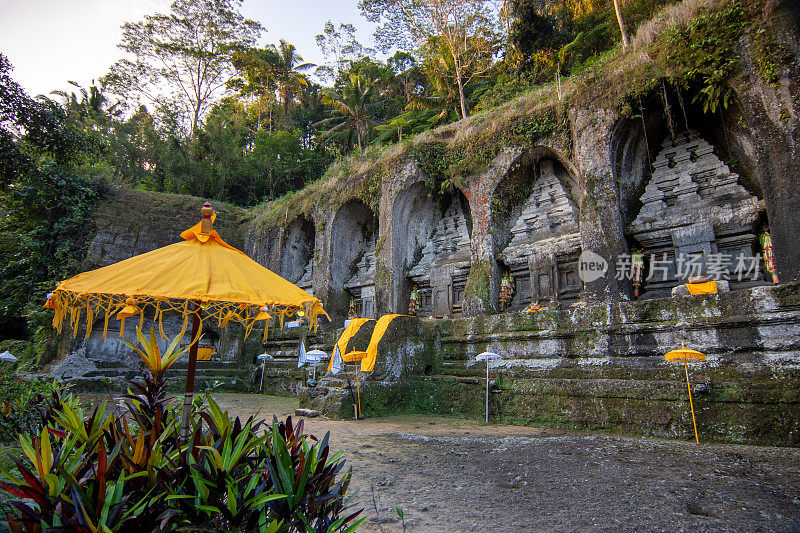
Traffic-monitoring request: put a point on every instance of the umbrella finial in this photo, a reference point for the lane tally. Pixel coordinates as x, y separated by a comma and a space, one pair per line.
207, 224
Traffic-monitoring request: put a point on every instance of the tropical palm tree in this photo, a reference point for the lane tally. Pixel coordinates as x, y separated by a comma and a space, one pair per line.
352, 108
258, 78
93, 105
289, 75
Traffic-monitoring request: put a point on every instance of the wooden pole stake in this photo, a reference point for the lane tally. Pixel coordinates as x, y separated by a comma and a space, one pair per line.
689, 386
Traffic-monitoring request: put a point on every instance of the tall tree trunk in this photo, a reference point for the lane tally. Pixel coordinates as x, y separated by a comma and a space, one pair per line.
621, 25
195, 118
460, 81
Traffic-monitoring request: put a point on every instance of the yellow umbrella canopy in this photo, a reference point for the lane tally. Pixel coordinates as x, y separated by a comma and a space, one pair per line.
203, 269
203, 276
685, 355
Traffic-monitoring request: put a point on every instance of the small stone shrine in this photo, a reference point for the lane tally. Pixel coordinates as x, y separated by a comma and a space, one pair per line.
442, 271
362, 285
696, 218
543, 252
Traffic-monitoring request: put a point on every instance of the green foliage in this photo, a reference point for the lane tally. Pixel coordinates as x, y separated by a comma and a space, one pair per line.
434, 159
24, 403
130, 472
772, 53
47, 196
705, 53
506, 87
352, 110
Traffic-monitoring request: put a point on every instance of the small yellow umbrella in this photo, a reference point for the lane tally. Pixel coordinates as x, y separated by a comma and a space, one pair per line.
687, 356
203, 277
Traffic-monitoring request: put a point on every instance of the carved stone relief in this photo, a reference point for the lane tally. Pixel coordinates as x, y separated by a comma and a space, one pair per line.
693, 208
442, 270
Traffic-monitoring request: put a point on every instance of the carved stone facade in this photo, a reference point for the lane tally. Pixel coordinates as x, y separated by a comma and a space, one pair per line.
442, 270
297, 257
307, 281
543, 252
696, 218
362, 285
600, 362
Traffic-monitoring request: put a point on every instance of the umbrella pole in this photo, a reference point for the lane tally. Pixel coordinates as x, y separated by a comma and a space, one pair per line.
350, 388
487, 391
689, 386
261, 386
358, 390
190, 371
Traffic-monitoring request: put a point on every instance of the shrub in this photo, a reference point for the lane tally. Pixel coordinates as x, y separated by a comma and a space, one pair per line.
130, 471
23, 403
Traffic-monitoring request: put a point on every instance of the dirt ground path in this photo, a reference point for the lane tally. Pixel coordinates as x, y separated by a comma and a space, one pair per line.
458, 475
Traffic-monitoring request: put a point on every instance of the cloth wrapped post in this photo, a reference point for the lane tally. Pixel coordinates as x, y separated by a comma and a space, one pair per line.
368, 362
351, 329
709, 287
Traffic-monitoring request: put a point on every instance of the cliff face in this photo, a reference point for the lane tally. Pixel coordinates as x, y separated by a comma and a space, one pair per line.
545, 188
598, 142
130, 223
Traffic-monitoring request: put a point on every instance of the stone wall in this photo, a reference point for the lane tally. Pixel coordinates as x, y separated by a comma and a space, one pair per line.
602, 367
130, 223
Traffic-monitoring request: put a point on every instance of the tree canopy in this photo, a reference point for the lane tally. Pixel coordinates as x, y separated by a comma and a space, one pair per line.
182, 58
466, 30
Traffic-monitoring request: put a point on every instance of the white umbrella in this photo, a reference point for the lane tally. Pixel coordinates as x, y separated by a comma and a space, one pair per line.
486, 356
315, 356
264, 357
6, 356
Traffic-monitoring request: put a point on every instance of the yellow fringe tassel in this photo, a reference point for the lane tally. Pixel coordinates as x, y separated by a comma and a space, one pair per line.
89, 321
105, 324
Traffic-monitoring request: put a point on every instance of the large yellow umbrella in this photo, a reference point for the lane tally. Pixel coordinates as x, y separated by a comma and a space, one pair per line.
686, 356
202, 277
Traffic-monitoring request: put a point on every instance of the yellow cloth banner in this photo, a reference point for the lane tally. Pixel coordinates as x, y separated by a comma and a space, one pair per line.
205, 354
709, 287
368, 363
351, 329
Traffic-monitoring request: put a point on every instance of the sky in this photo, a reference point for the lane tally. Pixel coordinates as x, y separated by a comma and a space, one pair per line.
50, 42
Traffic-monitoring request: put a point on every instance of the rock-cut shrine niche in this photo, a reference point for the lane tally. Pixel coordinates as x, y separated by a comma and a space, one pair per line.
538, 239
441, 267
297, 253
696, 218
353, 240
